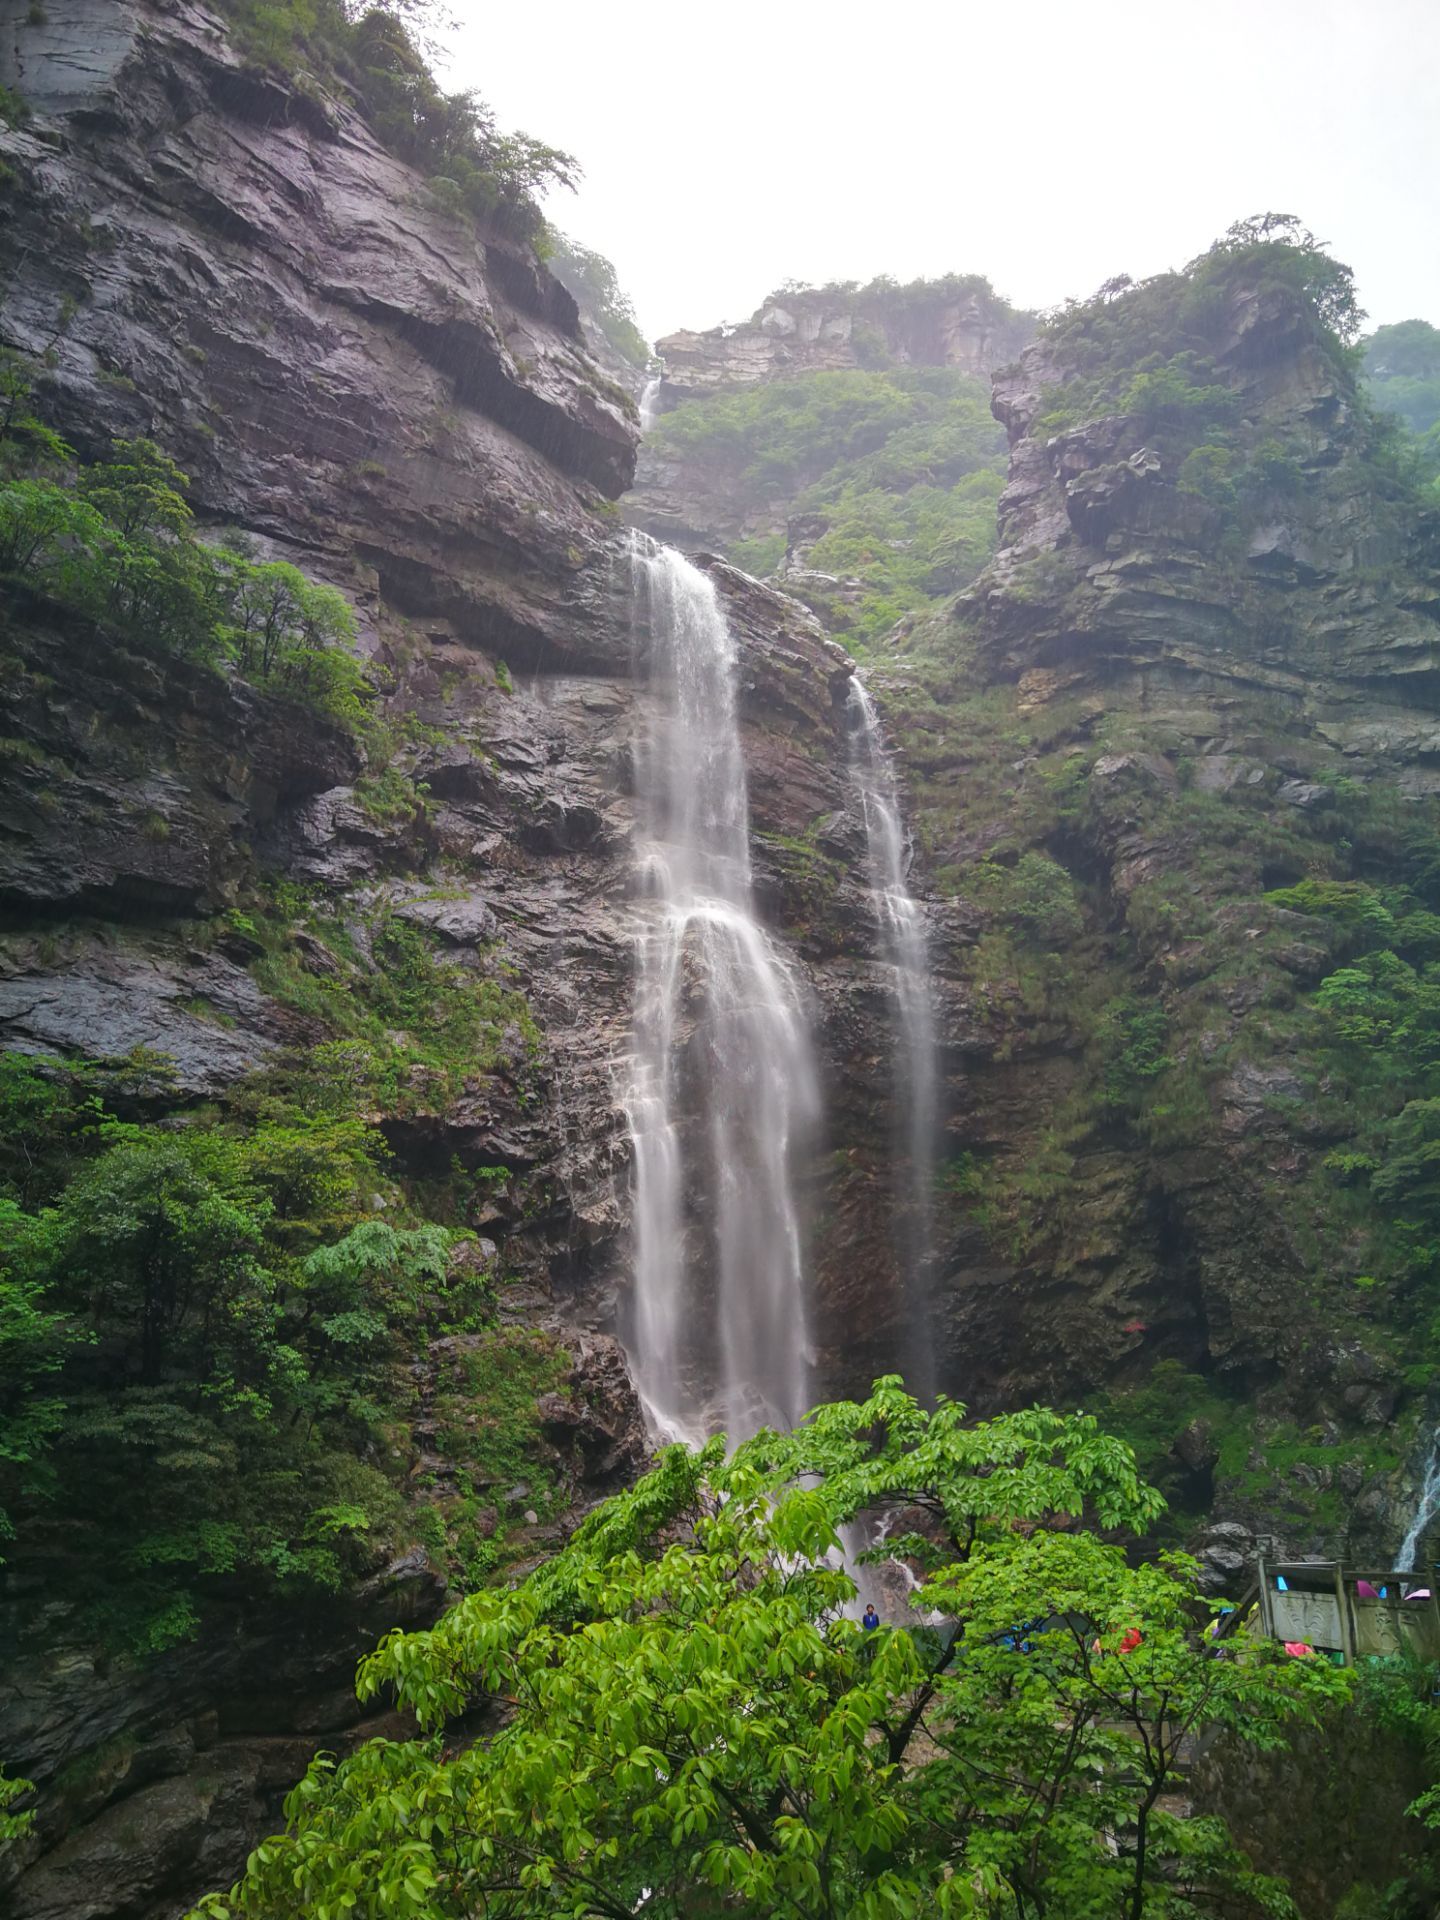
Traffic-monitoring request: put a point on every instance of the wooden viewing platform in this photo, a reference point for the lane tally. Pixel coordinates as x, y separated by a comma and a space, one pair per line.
1345, 1612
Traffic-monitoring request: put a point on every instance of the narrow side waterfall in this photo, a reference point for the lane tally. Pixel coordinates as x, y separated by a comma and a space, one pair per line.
1426, 1508
723, 1083
649, 394
902, 936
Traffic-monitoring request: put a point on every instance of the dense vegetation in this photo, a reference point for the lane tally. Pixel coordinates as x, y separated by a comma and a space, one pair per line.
1157, 352
209, 1314
894, 473
374, 50
115, 542
695, 1725
1204, 969
196, 1321
1164, 353
1209, 930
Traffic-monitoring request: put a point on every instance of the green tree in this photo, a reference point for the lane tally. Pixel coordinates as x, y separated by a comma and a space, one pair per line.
35, 1342
276, 624
13, 1825
25, 440
1402, 367
694, 1726
196, 1338
140, 491
116, 541
49, 537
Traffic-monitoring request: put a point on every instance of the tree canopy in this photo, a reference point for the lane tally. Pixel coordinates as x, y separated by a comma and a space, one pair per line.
681, 1717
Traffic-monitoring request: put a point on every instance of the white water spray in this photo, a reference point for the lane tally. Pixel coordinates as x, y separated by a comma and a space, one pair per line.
1425, 1510
902, 935
723, 1084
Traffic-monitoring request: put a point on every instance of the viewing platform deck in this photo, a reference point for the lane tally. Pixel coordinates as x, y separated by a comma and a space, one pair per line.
1347, 1613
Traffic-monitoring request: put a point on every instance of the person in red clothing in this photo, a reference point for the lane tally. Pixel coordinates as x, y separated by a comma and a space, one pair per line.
1131, 1639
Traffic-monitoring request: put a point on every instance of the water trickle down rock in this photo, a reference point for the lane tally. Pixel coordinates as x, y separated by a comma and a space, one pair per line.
1426, 1505
901, 927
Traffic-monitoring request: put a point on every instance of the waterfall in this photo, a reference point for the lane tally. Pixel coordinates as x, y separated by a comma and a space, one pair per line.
902, 936
649, 394
722, 1081
1426, 1508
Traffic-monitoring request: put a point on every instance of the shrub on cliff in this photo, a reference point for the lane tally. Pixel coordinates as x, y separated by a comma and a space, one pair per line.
1152, 348
375, 46
116, 542
198, 1327
596, 286
694, 1725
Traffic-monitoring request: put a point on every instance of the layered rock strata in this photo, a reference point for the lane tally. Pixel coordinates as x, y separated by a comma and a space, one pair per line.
194, 251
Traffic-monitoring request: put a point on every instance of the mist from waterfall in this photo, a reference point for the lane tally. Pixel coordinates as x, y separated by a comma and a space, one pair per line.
1426, 1508
902, 936
723, 1083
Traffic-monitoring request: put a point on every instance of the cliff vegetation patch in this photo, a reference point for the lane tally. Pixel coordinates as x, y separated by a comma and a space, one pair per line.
115, 543
886, 478
376, 53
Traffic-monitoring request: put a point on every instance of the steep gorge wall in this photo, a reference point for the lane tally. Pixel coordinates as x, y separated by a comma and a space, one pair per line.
956, 326
1159, 708
1185, 684
195, 251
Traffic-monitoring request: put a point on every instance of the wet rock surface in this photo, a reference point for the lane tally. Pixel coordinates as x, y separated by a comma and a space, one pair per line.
1179, 682
204, 249
406, 410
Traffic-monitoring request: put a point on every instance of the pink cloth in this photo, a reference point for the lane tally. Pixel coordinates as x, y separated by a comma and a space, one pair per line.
1299, 1650
1365, 1591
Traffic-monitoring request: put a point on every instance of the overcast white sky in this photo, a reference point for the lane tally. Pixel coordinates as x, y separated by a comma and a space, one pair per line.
728, 147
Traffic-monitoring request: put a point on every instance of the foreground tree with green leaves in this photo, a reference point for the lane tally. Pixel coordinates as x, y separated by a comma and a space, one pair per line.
690, 1724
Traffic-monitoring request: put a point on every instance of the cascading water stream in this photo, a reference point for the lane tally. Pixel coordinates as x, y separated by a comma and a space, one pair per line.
902, 935
649, 395
1426, 1508
723, 1084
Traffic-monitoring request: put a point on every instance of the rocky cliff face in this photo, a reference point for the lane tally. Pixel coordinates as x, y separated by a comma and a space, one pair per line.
194, 251
691, 495
957, 323
1180, 727
1145, 742
240, 270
